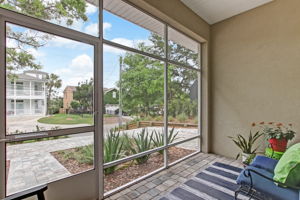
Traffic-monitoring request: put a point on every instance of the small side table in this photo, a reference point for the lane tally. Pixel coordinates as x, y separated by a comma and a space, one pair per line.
273, 154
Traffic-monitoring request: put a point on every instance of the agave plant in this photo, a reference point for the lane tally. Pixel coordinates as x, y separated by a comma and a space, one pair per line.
113, 146
246, 144
158, 138
140, 143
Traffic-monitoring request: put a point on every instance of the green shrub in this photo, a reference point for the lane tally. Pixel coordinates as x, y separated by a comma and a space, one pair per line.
158, 118
158, 138
140, 143
182, 117
85, 154
113, 146
171, 118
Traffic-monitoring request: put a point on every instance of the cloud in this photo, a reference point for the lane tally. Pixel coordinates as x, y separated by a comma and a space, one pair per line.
92, 29
35, 52
90, 9
82, 62
106, 26
80, 69
57, 41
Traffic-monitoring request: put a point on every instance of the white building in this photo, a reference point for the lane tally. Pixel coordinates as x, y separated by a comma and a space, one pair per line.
26, 94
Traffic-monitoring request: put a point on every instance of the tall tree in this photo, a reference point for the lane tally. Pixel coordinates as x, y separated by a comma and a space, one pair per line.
84, 95
143, 79
18, 57
53, 83
142, 85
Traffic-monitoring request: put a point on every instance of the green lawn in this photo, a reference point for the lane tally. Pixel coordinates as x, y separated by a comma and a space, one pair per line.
67, 119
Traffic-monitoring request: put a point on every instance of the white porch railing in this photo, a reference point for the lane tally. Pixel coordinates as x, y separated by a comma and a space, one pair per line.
25, 92
12, 112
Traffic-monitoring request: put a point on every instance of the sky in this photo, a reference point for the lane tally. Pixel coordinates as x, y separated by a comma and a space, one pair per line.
74, 61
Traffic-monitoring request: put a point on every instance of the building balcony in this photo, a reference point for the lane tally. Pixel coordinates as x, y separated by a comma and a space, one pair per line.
25, 93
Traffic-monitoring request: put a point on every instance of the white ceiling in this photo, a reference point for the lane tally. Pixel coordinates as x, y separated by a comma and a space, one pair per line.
213, 11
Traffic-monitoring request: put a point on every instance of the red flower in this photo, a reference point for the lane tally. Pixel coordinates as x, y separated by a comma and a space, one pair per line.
279, 124
271, 123
253, 124
262, 123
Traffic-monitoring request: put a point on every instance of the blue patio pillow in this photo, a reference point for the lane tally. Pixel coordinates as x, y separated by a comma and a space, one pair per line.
265, 163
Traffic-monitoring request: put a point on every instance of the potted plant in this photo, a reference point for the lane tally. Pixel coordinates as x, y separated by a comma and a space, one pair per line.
246, 146
278, 135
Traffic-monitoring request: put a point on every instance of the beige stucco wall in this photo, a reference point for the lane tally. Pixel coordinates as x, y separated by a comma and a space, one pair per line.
255, 61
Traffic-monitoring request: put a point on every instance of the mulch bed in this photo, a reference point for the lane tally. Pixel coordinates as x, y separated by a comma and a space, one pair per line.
126, 172
72, 165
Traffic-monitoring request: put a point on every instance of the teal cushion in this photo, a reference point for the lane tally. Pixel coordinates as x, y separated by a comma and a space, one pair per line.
287, 170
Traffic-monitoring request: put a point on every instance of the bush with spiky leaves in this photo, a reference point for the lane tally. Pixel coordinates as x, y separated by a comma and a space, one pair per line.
113, 147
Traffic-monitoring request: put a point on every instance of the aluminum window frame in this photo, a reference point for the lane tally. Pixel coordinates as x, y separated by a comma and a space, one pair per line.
97, 129
7, 16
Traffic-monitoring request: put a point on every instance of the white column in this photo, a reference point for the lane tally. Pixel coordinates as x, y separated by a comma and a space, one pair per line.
30, 89
45, 100
30, 102
15, 98
30, 106
15, 89
15, 106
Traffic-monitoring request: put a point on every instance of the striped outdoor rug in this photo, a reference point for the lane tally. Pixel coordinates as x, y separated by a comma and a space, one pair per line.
215, 182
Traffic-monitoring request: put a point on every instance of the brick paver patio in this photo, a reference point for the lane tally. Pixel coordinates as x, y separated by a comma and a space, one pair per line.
164, 182
31, 164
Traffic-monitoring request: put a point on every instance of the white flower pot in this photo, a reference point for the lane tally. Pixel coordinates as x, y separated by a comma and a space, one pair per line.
245, 156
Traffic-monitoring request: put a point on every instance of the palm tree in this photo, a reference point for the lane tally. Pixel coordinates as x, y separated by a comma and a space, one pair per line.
53, 83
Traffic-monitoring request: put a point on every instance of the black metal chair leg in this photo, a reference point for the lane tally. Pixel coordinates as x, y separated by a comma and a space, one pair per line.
41, 196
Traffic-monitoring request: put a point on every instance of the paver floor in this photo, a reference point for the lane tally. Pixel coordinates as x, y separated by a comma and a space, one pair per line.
164, 182
31, 164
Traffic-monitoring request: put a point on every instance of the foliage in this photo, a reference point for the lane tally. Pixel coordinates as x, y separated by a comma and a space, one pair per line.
75, 105
54, 105
142, 85
158, 138
51, 10
18, 57
246, 144
84, 95
142, 81
278, 130
182, 117
83, 155
110, 99
52, 84
140, 143
86, 155
113, 146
